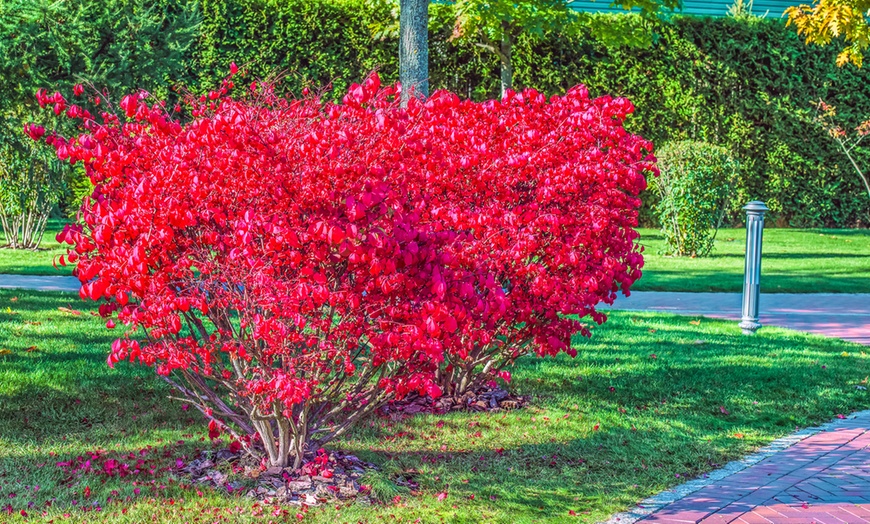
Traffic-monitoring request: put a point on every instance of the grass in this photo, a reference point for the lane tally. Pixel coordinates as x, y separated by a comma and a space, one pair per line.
39, 262
650, 401
793, 261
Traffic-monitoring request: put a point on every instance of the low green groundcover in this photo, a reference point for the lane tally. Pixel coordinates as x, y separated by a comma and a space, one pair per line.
649, 402
793, 261
38, 262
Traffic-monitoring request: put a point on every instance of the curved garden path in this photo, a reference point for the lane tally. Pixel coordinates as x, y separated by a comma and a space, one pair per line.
815, 476
845, 316
818, 475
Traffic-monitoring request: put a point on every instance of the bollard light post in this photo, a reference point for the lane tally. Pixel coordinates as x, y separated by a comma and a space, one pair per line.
755, 211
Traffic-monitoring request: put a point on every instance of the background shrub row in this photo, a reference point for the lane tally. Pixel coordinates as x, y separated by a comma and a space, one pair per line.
746, 84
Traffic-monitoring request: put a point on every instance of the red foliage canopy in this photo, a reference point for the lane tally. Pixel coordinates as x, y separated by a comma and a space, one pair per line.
297, 262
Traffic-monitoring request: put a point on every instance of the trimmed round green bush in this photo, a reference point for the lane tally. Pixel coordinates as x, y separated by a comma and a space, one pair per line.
693, 188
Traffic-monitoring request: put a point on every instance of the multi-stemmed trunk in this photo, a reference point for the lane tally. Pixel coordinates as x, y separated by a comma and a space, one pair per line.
847, 150
24, 230
287, 444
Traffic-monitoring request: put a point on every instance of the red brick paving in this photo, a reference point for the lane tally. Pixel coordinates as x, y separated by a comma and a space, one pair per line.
824, 479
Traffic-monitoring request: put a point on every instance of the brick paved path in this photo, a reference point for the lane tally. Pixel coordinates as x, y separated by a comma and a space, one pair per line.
845, 316
823, 479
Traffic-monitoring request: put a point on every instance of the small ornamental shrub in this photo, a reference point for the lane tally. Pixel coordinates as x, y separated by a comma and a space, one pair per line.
289, 265
850, 142
31, 184
693, 187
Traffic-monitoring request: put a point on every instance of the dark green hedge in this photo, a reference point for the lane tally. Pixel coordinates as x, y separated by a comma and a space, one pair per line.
746, 84
120, 45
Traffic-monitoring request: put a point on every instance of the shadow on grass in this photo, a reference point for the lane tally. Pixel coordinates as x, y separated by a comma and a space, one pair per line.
39, 300
642, 403
549, 478
528, 481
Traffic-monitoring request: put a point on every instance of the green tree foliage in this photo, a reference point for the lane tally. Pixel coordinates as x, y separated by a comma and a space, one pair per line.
495, 25
123, 44
693, 188
320, 43
745, 83
29, 185
827, 20
113, 46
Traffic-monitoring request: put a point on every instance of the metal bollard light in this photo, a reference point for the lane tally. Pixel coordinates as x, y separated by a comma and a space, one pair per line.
755, 211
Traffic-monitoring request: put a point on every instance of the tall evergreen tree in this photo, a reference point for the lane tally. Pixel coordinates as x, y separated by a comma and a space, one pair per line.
113, 46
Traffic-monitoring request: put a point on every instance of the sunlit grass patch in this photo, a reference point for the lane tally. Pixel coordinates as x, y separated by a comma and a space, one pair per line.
650, 401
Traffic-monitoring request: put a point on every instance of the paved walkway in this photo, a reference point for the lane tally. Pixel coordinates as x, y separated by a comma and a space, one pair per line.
823, 479
40, 283
845, 316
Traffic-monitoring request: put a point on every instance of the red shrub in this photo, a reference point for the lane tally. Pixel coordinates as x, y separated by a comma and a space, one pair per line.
290, 265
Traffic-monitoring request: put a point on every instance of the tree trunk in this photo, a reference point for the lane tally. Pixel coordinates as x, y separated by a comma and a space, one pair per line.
414, 48
24, 230
507, 66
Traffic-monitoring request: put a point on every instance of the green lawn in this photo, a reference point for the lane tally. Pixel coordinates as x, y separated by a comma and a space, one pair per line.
793, 261
685, 399
25, 262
